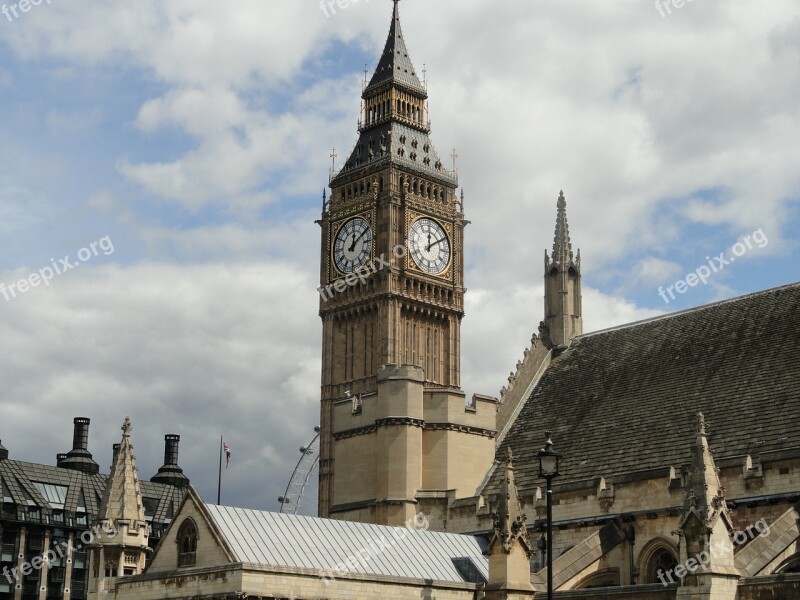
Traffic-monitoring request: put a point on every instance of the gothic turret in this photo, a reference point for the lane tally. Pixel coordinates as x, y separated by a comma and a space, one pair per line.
563, 311
707, 568
510, 547
119, 546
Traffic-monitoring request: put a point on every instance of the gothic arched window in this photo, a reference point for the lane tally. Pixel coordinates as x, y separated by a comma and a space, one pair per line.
658, 561
187, 544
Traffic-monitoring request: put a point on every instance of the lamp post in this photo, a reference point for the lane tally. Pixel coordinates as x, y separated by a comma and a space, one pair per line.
549, 461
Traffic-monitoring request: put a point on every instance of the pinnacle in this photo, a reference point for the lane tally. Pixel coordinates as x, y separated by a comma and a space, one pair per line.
562, 246
122, 498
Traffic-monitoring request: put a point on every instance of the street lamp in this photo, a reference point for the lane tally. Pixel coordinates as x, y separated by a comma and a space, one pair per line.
549, 461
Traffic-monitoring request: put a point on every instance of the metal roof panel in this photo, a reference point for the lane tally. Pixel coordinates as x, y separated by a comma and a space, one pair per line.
268, 538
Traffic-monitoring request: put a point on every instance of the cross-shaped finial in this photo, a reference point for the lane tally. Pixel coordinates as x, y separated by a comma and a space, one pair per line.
333, 156
454, 156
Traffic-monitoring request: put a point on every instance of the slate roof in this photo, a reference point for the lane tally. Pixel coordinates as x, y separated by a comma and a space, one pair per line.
394, 142
395, 64
625, 400
42, 484
275, 539
399, 144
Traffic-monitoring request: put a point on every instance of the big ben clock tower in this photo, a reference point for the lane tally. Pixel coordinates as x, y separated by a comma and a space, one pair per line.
392, 290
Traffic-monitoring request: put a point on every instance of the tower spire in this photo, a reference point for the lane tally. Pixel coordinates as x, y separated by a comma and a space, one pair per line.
394, 126
563, 310
122, 498
122, 549
395, 63
562, 245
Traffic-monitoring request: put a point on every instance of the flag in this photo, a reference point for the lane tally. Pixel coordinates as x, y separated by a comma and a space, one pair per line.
227, 454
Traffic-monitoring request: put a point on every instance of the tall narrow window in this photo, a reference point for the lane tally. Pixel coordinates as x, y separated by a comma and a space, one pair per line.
187, 544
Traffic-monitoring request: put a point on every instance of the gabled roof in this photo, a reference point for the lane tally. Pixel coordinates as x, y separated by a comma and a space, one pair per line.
620, 401
275, 539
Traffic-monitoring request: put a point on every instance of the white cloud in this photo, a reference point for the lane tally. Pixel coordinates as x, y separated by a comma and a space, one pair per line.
653, 271
202, 351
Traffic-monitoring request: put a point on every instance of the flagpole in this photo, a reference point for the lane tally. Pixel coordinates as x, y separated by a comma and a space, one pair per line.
219, 481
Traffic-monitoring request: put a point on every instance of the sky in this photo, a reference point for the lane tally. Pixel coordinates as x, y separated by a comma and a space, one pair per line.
162, 165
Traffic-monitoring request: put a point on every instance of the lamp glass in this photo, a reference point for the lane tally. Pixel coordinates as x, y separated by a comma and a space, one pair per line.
548, 465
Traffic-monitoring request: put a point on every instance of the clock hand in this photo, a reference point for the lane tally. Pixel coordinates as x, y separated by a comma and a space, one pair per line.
435, 243
355, 240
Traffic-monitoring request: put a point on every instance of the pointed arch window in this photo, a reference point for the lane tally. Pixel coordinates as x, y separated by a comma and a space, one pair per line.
658, 561
187, 544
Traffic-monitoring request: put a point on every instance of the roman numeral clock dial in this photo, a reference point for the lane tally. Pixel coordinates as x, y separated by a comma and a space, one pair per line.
353, 245
429, 246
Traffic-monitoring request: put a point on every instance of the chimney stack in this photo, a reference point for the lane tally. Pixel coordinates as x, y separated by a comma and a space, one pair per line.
79, 458
80, 433
170, 473
3, 452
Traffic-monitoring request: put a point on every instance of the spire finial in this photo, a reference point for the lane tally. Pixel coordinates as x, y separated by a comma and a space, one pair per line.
562, 245
701, 424
127, 427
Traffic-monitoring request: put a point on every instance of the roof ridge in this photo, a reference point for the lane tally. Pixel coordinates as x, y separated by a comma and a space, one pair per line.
689, 310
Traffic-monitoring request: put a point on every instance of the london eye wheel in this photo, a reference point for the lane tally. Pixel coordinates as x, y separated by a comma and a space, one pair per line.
302, 482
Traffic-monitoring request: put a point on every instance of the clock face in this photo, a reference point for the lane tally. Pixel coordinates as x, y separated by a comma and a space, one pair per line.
353, 245
429, 246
